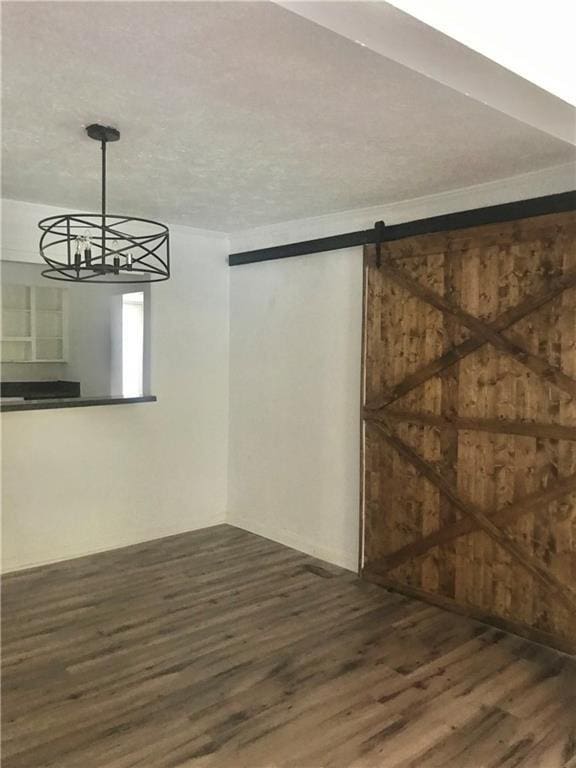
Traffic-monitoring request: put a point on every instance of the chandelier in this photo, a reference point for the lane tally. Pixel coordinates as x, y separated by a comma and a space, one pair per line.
101, 247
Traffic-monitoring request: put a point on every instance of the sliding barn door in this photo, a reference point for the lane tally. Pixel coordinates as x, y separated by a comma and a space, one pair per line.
469, 423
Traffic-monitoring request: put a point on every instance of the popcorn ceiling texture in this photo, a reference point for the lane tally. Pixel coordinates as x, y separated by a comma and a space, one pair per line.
234, 115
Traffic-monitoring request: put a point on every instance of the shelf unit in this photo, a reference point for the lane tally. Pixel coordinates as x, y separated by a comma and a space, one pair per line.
34, 324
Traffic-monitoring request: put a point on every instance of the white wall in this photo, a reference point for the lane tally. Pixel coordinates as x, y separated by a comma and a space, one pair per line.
90, 338
295, 334
294, 401
87, 479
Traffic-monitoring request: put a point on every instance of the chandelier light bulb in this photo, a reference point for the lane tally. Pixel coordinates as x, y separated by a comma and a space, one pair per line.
77, 255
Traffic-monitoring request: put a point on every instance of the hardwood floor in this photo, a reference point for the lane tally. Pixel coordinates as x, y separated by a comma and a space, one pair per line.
221, 649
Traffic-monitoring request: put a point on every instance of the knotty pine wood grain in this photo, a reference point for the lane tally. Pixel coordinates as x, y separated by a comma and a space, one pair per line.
472, 351
220, 649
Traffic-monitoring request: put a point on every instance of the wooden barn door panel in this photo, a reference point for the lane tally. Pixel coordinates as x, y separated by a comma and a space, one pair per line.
469, 422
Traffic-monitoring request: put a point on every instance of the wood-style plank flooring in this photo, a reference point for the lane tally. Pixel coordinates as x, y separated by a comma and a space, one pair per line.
221, 648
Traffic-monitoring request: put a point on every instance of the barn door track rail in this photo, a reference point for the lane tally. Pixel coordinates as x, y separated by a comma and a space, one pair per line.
494, 214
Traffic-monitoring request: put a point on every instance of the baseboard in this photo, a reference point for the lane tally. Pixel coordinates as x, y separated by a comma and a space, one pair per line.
347, 560
151, 534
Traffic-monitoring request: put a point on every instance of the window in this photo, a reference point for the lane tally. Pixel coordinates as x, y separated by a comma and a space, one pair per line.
132, 344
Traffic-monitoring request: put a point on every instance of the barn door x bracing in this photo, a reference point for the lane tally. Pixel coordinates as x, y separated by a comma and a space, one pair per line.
469, 422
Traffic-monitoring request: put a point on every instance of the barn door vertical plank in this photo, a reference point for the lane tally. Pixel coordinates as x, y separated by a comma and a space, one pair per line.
565, 519
449, 379
367, 306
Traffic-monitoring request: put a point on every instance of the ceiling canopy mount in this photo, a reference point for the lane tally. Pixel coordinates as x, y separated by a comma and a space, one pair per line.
103, 132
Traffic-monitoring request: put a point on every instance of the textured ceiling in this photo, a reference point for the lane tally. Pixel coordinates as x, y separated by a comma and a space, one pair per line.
233, 115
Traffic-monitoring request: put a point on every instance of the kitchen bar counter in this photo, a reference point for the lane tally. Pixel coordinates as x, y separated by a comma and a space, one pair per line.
8, 404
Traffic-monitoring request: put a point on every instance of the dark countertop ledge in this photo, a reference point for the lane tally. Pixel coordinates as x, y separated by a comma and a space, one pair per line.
72, 402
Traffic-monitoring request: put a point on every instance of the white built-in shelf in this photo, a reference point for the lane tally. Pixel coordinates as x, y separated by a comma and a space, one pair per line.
34, 324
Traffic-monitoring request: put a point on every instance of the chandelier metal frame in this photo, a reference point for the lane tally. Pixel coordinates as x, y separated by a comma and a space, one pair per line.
97, 247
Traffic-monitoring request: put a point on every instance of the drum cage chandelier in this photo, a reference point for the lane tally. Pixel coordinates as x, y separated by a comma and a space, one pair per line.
102, 247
